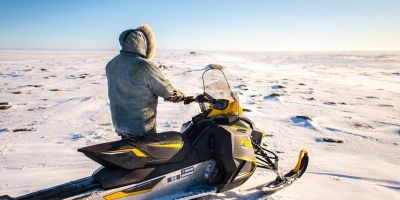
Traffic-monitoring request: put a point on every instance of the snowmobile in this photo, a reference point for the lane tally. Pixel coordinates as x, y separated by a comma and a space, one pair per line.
216, 151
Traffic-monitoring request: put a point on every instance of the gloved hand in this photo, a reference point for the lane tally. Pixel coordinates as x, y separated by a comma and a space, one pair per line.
178, 96
188, 100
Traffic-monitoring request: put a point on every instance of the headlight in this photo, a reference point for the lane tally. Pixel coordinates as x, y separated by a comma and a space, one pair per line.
220, 104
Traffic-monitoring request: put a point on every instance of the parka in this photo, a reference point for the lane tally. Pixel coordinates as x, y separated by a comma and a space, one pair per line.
135, 83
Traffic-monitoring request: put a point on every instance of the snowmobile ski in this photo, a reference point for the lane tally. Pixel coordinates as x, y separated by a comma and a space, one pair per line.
283, 181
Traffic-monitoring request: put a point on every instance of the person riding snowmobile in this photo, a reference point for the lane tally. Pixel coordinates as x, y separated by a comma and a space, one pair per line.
135, 83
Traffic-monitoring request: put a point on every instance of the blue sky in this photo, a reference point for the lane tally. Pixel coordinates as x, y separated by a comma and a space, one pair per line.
259, 25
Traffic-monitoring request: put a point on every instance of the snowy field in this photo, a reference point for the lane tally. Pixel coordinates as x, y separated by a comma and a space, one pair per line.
56, 102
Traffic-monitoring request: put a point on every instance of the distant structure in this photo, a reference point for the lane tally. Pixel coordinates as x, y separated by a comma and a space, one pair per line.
192, 52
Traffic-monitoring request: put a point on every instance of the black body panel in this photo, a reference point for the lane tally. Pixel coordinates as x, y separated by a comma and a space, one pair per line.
225, 145
224, 139
158, 148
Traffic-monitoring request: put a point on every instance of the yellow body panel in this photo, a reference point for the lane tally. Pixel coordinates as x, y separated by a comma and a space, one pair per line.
233, 108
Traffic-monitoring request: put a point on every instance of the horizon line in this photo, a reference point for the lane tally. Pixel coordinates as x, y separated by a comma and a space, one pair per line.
201, 50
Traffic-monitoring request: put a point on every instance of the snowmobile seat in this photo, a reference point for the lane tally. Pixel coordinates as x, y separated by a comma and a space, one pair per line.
133, 153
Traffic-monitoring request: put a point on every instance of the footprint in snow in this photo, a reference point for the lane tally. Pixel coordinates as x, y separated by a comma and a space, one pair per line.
311, 99
23, 129
273, 96
3, 130
329, 103
241, 87
170, 124
76, 136
278, 87
329, 140
303, 121
362, 125
5, 105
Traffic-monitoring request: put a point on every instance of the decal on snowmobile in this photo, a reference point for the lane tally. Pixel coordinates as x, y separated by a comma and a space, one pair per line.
173, 178
135, 151
138, 189
187, 171
246, 142
168, 145
184, 173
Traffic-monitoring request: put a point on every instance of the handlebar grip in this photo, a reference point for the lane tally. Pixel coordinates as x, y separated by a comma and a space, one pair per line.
188, 100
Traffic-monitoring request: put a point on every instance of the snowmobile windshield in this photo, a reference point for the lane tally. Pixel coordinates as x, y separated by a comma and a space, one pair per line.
216, 85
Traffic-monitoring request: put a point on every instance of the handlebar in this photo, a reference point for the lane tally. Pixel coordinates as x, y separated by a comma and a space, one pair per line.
204, 99
188, 100
199, 99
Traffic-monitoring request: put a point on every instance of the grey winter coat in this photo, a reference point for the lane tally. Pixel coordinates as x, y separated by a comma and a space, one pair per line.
134, 85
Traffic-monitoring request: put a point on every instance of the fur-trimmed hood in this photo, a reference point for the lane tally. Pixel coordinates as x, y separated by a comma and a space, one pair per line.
139, 41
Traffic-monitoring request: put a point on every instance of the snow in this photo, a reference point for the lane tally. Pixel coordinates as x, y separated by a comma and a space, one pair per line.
60, 97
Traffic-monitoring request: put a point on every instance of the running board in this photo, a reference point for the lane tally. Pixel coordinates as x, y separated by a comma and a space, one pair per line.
198, 192
61, 191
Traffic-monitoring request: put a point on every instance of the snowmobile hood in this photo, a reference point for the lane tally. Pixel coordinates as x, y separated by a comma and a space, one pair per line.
139, 41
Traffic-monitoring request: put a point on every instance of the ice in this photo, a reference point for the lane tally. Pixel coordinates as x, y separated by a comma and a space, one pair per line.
61, 96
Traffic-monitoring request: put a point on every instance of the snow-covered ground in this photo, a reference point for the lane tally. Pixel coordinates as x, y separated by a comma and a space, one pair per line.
60, 99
